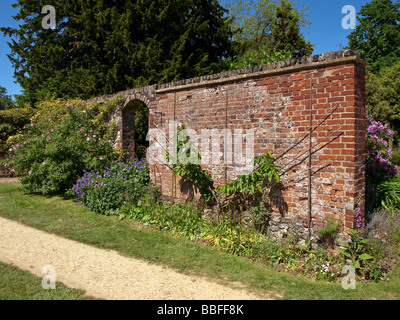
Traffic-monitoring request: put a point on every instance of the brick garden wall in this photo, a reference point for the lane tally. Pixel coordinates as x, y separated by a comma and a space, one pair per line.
275, 101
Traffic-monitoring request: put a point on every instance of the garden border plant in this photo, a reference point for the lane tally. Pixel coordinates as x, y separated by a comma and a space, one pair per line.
63, 139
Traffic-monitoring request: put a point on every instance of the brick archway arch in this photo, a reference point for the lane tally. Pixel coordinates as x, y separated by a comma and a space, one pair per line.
136, 97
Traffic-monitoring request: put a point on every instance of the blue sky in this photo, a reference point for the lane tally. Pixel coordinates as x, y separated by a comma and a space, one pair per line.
325, 31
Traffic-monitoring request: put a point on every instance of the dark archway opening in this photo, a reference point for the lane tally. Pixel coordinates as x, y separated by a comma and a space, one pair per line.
135, 126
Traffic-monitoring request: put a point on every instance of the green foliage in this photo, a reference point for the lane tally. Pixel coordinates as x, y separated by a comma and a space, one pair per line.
5, 99
183, 220
266, 31
141, 130
102, 47
329, 232
123, 182
377, 34
62, 140
285, 34
263, 175
388, 193
383, 96
358, 250
255, 185
185, 163
396, 156
11, 122
261, 211
253, 58
287, 255
383, 232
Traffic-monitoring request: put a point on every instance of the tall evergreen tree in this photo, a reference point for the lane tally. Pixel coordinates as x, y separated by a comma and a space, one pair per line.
286, 35
104, 46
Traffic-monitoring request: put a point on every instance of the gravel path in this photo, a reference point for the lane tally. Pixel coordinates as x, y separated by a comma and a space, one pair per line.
105, 273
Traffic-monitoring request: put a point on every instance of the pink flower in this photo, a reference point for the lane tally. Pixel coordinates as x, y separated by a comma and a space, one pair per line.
84, 111
94, 136
101, 158
88, 139
102, 143
10, 149
43, 163
31, 124
30, 172
24, 127
5, 165
17, 144
81, 130
52, 130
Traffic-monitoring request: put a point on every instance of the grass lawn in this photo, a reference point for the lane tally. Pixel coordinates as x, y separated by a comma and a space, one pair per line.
16, 284
67, 219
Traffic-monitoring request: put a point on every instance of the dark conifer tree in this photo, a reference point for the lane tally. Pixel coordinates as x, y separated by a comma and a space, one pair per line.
104, 46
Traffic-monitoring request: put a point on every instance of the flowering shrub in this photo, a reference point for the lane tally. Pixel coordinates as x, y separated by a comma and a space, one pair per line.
378, 151
103, 192
380, 172
61, 139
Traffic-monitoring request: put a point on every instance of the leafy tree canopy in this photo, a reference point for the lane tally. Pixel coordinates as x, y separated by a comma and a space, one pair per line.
383, 96
377, 36
268, 26
5, 99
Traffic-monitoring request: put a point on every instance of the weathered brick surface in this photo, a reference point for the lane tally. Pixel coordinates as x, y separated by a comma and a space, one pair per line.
275, 101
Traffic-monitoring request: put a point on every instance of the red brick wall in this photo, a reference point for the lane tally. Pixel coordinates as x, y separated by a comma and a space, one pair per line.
275, 100
278, 107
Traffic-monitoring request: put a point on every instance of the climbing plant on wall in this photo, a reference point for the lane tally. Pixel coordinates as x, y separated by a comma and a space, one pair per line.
251, 188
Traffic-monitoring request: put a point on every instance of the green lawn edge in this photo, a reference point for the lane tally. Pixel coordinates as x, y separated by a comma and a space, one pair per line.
65, 218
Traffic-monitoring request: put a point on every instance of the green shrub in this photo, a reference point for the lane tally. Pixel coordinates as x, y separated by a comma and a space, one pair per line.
396, 156
62, 140
104, 192
12, 121
358, 251
253, 58
388, 193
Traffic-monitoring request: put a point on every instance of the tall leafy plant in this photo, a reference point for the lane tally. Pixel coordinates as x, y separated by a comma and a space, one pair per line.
252, 187
380, 172
185, 163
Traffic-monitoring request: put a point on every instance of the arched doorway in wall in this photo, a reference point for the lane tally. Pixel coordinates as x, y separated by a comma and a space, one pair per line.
135, 126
